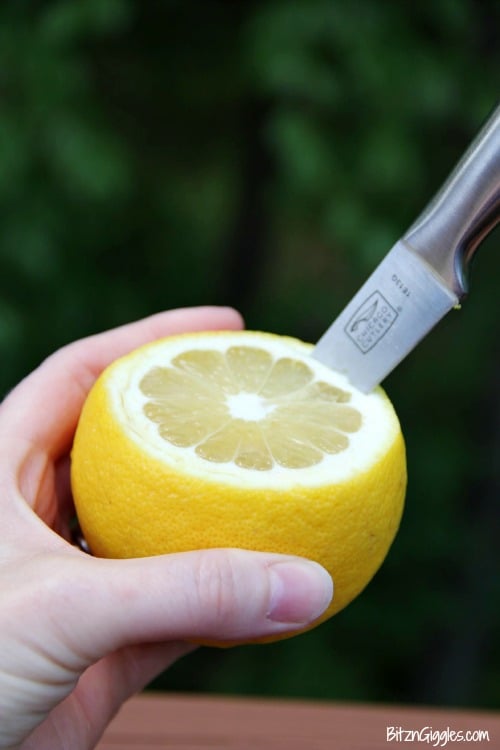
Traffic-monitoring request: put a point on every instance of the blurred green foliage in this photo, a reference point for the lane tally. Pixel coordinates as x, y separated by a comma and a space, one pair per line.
267, 155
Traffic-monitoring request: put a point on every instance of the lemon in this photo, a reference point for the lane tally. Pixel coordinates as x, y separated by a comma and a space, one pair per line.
239, 439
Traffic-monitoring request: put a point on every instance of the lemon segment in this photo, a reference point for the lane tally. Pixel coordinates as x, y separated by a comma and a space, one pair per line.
239, 439
242, 407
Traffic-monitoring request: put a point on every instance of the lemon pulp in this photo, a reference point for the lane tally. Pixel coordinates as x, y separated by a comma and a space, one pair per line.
246, 407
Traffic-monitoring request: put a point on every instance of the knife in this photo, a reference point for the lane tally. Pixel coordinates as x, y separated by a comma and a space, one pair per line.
424, 276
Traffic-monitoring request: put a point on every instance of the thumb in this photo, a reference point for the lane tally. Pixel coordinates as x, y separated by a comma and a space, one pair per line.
219, 594
71, 610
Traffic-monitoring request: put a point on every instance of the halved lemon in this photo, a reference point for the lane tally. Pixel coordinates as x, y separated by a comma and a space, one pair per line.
239, 439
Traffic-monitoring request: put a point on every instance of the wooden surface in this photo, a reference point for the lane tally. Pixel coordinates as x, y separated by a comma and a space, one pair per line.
154, 721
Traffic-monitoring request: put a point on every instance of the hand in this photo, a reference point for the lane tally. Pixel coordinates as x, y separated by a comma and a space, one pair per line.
78, 635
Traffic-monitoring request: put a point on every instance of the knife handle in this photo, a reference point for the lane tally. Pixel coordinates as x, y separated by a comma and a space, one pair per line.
452, 226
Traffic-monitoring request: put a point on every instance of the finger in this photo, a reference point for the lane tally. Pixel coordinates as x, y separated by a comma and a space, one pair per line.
43, 410
90, 608
121, 674
38, 419
225, 595
125, 672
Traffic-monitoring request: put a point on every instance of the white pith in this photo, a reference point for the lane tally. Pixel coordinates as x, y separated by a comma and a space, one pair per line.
248, 406
378, 431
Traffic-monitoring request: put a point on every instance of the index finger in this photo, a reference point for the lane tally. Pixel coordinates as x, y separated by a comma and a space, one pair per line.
43, 410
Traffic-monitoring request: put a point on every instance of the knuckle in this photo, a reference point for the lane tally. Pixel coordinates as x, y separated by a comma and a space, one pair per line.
217, 587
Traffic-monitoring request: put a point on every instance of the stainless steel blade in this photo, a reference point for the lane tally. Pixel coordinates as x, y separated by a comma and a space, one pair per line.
397, 306
425, 273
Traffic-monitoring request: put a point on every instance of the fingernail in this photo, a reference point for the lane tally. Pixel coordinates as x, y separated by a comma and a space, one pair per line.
301, 590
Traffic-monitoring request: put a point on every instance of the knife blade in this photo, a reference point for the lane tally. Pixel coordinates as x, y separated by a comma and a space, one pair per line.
424, 275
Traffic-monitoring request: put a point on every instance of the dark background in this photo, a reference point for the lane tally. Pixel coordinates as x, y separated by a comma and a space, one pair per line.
267, 155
